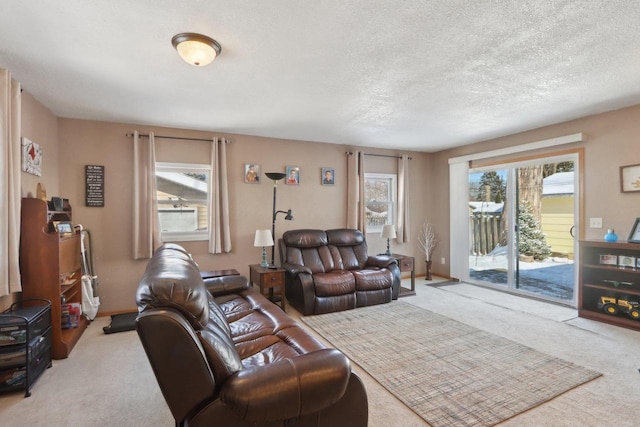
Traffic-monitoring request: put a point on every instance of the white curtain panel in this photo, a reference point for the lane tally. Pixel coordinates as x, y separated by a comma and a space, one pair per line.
10, 169
459, 219
402, 223
146, 224
356, 217
219, 229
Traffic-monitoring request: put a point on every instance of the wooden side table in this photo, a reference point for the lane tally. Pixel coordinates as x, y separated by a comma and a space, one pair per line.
407, 263
269, 279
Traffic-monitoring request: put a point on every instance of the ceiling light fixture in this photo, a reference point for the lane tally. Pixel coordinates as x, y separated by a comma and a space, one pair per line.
196, 49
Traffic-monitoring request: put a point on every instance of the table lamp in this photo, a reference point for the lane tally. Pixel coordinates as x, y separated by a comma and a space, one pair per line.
263, 238
388, 232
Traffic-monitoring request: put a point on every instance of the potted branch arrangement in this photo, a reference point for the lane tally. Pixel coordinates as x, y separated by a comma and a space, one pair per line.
427, 242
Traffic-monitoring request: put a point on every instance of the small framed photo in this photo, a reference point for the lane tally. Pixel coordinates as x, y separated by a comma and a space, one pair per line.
626, 261
251, 173
293, 175
609, 259
634, 236
629, 178
64, 228
328, 176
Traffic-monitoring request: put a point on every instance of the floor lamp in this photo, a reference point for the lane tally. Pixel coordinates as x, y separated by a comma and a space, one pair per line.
276, 176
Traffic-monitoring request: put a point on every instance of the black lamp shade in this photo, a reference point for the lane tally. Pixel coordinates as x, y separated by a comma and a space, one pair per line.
276, 176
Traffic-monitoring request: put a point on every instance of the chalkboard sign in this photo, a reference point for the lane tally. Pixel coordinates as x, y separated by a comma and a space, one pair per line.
94, 187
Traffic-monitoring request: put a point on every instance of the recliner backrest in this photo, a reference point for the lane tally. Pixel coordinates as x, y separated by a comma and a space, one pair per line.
172, 280
324, 251
351, 246
308, 248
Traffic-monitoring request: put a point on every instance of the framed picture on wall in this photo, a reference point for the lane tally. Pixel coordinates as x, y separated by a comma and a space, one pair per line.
293, 175
629, 178
327, 176
251, 173
634, 236
31, 157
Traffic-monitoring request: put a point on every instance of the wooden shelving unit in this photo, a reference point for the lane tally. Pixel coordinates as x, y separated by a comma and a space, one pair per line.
598, 279
50, 265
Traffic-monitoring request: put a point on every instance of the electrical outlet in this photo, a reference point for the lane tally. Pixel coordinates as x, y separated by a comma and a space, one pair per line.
595, 222
443, 260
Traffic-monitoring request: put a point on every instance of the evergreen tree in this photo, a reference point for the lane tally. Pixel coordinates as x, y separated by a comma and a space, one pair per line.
532, 241
492, 182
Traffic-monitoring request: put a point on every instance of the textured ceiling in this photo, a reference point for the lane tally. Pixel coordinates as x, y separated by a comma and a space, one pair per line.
414, 75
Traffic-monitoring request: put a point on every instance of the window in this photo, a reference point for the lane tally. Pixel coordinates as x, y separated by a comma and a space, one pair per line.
380, 200
183, 194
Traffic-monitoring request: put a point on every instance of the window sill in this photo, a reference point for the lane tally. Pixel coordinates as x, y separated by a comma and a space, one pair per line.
174, 237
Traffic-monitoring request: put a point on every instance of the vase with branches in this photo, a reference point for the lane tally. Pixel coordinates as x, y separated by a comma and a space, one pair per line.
427, 242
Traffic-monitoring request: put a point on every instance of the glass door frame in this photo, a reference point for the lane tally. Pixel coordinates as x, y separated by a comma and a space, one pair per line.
511, 194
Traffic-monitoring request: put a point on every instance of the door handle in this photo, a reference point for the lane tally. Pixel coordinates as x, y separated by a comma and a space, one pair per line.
571, 231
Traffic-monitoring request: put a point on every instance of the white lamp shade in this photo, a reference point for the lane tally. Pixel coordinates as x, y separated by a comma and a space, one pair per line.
263, 238
388, 231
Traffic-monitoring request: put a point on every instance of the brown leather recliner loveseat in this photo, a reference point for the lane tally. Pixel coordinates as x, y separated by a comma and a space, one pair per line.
223, 355
330, 270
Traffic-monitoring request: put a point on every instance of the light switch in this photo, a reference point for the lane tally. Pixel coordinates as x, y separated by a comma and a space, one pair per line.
595, 222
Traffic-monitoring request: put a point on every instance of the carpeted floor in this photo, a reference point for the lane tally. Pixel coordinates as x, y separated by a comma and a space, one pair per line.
449, 373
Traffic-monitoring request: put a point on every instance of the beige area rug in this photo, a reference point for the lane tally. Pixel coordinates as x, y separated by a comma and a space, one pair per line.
449, 373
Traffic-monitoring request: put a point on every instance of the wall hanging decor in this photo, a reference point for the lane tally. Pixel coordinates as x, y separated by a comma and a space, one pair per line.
634, 236
629, 178
293, 175
94, 185
251, 173
328, 176
31, 157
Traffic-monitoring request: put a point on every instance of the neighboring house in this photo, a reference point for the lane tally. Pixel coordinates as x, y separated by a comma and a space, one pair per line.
182, 202
557, 212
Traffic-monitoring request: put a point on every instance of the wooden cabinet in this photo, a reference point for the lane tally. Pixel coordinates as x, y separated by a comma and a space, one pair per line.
407, 263
612, 271
270, 280
50, 265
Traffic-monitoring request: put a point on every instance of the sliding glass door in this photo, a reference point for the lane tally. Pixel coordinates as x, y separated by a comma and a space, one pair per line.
522, 218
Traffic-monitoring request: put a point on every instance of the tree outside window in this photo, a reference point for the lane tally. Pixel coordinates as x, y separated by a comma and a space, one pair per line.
380, 200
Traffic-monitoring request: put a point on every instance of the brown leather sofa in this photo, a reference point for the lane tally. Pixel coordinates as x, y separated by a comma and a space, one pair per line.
330, 270
223, 355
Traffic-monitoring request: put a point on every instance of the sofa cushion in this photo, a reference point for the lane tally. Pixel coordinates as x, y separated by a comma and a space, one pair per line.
337, 282
373, 279
217, 316
220, 352
250, 316
265, 350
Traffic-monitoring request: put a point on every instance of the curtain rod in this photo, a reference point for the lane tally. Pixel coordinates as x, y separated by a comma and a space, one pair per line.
130, 135
350, 153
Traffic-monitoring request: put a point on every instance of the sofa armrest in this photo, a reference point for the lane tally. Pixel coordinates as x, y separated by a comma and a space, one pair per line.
289, 388
381, 261
224, 285
295, 269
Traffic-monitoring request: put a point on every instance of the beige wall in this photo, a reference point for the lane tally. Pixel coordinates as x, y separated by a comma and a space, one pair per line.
40, 126
69, 145
610, 141
314, 206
